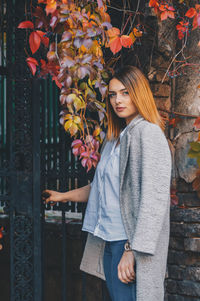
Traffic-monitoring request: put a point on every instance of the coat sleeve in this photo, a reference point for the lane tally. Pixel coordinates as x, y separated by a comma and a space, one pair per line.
155, 189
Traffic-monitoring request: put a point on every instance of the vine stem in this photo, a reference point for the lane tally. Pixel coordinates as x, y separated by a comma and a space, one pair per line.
126, 24
180, 114
184, 45
57, 49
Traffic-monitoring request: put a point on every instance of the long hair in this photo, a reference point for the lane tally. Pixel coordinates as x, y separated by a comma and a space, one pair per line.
140, 93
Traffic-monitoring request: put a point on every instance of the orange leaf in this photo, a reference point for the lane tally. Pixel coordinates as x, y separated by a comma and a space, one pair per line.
137, 33
51, 7
191, 12
34, 41
105, 17
126, 41
115, 45
26, 24
32, 63
113, 32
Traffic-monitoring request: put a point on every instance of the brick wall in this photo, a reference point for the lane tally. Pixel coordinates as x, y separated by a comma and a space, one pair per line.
183, 277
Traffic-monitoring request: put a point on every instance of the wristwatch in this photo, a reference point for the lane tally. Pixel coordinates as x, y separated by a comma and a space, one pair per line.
127, 246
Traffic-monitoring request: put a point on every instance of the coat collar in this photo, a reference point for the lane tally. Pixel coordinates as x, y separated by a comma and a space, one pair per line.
124, 145
134, 121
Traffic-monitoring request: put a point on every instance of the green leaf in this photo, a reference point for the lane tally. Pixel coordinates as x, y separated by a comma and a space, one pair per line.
192, 154
195, 146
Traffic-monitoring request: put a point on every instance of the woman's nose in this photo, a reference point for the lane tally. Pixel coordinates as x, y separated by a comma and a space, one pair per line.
118, 99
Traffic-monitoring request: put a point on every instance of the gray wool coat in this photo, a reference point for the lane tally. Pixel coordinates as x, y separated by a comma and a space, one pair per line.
145, 178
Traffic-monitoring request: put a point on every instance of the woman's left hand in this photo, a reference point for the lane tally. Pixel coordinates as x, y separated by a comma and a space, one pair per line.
126, 271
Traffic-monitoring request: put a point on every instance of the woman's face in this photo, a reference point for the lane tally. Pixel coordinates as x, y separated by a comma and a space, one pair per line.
121, 101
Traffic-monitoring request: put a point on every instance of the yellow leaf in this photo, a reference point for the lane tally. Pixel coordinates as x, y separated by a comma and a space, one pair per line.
83, 49
96, 132
73, 129
96, 49
77, 119
70, 108
131, 35
68, 124
67, 116
78, 104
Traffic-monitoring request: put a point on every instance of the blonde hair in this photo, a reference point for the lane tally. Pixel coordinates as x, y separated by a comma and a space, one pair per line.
140, 92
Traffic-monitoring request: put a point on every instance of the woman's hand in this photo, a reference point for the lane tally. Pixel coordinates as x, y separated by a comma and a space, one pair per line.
126, 271
53, 196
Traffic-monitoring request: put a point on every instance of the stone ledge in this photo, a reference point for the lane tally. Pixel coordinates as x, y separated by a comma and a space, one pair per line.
192, 244
186, 258
184, 287
182, 229
176, 243
177, 272
189, 199
185, 214
180, 298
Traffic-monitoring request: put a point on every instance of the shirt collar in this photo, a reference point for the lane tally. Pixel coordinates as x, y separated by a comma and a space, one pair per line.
131, 124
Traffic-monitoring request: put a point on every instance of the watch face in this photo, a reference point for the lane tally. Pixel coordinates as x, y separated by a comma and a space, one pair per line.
127, 246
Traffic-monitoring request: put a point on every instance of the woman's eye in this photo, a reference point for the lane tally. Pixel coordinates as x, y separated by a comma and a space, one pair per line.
111, 95
125, 93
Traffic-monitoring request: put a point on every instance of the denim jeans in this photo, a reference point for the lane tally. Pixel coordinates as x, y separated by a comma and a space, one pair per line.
118, 290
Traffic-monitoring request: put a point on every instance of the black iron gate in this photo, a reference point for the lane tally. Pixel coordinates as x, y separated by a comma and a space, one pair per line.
34, 154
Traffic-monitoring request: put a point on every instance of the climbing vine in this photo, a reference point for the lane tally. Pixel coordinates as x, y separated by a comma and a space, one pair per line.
70, 38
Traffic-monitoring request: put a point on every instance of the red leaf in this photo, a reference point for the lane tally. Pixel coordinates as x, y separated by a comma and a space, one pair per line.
191, 12
197, 123
26, 24
174, 121
180, 35
174, 200
44, 39
32, 63
171, 14
115, 45
195, 22
76, 143
89, 164
153, 3
34, 41
164, 15
57, 82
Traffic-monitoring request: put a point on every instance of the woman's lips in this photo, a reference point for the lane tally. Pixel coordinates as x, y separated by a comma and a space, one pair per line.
120, 109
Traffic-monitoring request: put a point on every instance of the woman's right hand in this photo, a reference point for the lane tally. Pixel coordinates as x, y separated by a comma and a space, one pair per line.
52, 197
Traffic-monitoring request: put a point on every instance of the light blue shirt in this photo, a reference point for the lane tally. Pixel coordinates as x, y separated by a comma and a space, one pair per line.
103, 216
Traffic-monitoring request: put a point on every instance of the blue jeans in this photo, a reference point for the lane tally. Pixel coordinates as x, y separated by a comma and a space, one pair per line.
118, 290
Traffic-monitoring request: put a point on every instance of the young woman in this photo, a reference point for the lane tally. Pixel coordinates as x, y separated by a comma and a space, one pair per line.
127, 214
